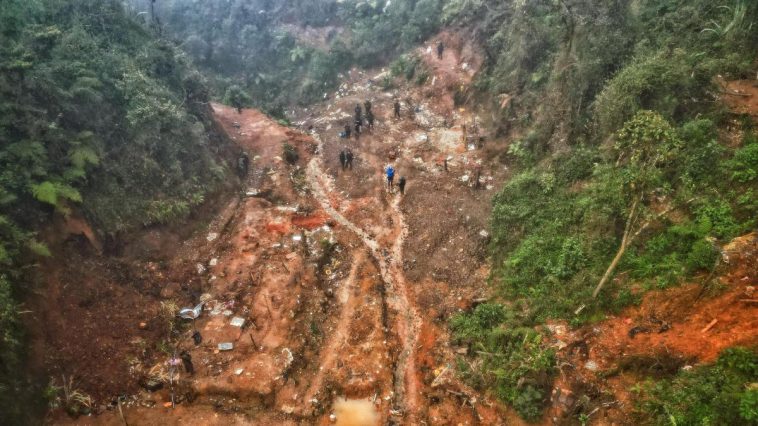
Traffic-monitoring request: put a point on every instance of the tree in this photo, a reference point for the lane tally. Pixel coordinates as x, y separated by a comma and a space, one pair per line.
236, 97
644, 145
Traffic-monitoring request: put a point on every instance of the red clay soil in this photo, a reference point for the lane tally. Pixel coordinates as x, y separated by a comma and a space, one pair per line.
686, 325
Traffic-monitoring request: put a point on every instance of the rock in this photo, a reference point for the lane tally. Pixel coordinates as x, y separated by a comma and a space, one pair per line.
200, 268
591, 365
211, 236
143, 325
484, 234
213, 262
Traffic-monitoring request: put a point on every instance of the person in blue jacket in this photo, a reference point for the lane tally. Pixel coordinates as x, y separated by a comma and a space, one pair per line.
390, 176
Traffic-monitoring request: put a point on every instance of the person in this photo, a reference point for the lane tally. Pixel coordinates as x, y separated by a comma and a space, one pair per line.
243, 164
358, 114
397, 108
187, 361
390, 177
369, 119
357, 130
348, 131
349, 159
343, 159
401, 185
440, 49
367, 106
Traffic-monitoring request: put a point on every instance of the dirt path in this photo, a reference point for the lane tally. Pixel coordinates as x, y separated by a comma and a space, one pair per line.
333, 347
344, 288
406, 389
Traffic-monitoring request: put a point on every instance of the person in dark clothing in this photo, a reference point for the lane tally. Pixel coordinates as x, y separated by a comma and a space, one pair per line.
187, 361
358, 114
343, 159
367, 106
243, 164
349, 159
440, 49
348, 131
357, 129
401, 185
369, 119
397, 108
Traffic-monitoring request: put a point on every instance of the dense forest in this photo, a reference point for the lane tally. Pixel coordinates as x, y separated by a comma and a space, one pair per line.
628, 174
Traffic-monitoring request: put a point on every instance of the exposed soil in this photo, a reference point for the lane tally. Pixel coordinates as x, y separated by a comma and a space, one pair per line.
670, 330
343, 287
741, 96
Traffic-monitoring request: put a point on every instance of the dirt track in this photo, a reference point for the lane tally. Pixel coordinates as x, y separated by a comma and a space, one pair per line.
343, 286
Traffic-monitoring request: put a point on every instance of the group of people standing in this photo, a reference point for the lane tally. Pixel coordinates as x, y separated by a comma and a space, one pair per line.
359, 120
346, 159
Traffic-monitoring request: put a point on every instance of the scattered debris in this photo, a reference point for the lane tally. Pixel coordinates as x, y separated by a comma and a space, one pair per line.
237, 322
226, 346
192, 313
211, 236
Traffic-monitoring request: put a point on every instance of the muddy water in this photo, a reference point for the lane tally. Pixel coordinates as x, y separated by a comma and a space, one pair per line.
355, 412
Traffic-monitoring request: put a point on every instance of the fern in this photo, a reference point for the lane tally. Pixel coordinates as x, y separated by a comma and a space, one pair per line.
51, 192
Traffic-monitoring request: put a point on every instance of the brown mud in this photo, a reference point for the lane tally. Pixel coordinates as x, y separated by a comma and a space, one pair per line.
344, 288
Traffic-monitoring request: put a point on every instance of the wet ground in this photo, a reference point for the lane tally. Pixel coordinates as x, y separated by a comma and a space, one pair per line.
326, 295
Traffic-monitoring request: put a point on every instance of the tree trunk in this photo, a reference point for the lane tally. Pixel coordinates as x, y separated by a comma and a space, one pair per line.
620, 253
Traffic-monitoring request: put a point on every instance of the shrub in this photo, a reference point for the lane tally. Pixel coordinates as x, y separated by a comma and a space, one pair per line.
290, 154
514, 361
720, 393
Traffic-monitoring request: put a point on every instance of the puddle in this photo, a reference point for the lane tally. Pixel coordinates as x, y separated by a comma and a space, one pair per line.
355, 412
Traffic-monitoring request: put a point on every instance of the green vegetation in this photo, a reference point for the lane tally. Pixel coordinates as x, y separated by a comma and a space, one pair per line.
514, 361
96, 115
258, 45
724, 393
624, 174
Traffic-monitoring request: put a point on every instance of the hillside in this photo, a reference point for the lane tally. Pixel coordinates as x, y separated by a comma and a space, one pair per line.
576, 242
105, 129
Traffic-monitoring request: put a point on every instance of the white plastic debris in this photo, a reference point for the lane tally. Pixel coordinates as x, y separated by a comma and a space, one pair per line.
591, 365
237, 322
192, 313
225, 346
213, 262
297, 237
200, 268
484, 234
238, 371
465, 178
212, 236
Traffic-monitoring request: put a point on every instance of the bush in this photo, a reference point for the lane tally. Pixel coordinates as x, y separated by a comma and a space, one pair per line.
515, 363
717, 394
290, 154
